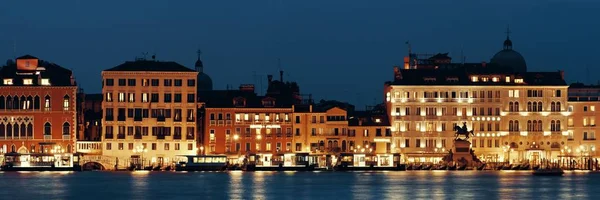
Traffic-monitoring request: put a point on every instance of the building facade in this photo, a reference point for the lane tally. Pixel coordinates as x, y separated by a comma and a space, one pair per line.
149, 110
515, 116
37, 107
581, 140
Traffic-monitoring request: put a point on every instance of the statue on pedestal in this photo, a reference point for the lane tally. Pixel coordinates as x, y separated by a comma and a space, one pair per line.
463, 131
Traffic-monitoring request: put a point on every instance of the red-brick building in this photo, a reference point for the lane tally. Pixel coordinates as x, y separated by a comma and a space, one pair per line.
37, 107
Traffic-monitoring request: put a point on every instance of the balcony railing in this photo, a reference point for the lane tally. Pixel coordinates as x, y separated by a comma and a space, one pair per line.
66, 137
177, 137
288, 134
189, 137
109, 136
137, 119
109, 118
121, 118
120, 136
89, 147
160, 137
137, 136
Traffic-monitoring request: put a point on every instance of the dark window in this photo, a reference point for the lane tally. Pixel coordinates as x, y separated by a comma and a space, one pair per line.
154, 82
145, 113
558, 93
177, 98
191, 82
131, 82
168, 98
47, 129
121, 114
178, 82
154, 98
168, 82
297, 119
191, 98
130, 112
122, 82
109, 82
109, 114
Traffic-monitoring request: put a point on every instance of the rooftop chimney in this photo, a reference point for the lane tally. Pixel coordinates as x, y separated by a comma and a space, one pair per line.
270, 78
281, 75
562, 74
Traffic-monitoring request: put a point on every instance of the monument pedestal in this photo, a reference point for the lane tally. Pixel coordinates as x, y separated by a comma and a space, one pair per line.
462, 152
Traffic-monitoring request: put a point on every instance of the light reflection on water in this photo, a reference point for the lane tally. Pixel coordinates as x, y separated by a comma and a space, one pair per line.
299, 185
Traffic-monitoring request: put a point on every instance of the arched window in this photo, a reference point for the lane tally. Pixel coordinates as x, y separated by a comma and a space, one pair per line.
9, 102
23, 131
552, 125
558, 108
23, 103
15, 103
528, 106
29, 102
47, 103
2, 103
553, 107
343, 145
510, 106
13, 148
47, 129
36, 102
30, 130
534, 107
516, 128
539, 127
66, 102
9, 131
2, 130
540, 107
528, 125
15, 130
510, 125
69, 148
558, 125
516, 107
66, 128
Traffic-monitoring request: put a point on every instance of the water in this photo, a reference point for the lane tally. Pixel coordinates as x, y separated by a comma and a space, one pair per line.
298, 185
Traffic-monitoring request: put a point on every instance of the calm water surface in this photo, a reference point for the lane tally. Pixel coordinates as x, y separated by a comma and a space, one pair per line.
299, 185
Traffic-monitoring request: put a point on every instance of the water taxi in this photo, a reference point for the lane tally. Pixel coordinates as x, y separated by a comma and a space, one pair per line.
369, 162
279, 162
202, 163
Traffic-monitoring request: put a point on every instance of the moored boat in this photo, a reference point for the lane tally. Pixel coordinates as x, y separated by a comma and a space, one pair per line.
202, 163
39, 162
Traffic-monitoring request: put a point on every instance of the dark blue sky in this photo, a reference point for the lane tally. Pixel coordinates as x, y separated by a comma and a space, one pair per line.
341, 50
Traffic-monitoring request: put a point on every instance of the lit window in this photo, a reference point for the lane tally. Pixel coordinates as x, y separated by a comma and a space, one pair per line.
495, 79
485, 79
145, 97
121, 97
47, 103
474, 79
66, 103
45, 81
518, 80
246, 117
131, 97
27, 81
508, 79
378, 120
8, 81
108, 97
592, 108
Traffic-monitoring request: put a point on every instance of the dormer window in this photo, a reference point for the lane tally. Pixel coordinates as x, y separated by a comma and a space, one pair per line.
518, 80
429, 79
507, 79
45, 81
474, 79
378, 120
268, 102
8, 81
239, 102
485, 79
27, 81
495, 79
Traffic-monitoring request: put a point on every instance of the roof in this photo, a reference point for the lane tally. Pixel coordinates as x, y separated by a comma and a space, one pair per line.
369, 117
462, 76
151, 65
248, 99
57, 75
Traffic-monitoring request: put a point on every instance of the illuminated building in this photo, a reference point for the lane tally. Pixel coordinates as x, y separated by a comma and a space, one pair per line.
240, 122
149, 110
515, 115
37, 107
582, 129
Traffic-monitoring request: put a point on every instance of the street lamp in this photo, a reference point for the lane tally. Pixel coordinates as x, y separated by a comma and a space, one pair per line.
201, 150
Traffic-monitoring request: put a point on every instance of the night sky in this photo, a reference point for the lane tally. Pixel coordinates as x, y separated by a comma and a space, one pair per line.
342, 50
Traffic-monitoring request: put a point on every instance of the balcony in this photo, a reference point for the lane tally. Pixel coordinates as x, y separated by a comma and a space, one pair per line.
137, 119
279, 134
589, 139
228, 122
288, 134
160, 119
160, 137
213, 122
121, 118
109, 136
66, 137
189, 137
120, 136
109, 118
137, 136
177, 137
89, 147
